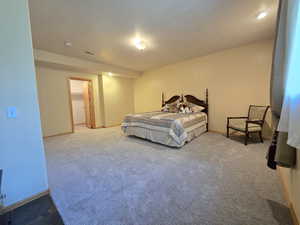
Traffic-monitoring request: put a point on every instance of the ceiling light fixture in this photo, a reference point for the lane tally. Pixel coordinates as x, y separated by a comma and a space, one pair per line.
139, 44
110, 74
68, 44
261, 15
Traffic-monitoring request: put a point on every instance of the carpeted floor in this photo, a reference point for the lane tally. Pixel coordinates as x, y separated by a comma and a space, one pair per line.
100, 177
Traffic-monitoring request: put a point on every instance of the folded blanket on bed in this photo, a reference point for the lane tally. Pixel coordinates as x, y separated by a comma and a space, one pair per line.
176, 124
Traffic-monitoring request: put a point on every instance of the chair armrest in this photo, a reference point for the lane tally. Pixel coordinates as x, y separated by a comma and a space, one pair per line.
237, 117
258, 122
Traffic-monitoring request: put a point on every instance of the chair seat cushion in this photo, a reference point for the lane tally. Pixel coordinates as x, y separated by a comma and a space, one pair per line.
241, 125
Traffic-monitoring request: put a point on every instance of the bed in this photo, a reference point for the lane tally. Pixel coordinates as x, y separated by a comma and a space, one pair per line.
169, 128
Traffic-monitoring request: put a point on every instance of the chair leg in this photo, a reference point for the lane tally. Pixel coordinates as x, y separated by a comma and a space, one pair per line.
227, 135
261, 138
246, 138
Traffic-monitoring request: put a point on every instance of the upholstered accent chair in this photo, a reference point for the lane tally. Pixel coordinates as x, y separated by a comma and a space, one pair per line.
253, 123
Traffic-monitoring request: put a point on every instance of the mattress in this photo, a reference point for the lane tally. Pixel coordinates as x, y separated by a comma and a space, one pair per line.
172, 129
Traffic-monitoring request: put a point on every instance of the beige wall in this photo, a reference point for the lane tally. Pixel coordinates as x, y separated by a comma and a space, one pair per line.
118, 98
62, 62
54, 99
101, 98
22, 156
235, 78
291, 178
113, 98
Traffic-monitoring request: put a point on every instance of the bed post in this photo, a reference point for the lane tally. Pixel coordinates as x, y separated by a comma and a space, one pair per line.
206, 99
162, 100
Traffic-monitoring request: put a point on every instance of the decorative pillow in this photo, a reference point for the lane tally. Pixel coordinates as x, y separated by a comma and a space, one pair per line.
188, 110
165, 108
196, 108
173, 108
184, 108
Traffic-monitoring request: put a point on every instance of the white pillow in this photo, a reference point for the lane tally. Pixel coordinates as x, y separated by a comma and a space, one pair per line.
197, 108
187, 110
173, 108
165, 108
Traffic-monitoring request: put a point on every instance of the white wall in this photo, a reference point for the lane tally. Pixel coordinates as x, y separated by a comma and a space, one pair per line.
21, 150
235, 79
78, 101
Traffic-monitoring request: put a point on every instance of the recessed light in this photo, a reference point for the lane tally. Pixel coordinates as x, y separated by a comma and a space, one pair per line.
139, 44
68, 43
261, 15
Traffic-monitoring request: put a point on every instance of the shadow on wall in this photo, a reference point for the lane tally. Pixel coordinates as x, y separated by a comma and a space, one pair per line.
281, 213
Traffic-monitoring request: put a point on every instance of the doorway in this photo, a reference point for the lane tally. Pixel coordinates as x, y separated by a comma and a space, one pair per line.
82, 104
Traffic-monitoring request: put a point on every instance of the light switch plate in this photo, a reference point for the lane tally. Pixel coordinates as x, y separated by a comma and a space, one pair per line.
11, 112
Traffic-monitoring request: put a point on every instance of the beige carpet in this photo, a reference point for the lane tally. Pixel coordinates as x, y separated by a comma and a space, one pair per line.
101, 177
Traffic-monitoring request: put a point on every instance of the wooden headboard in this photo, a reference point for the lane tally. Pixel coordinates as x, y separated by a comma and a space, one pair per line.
196, 101
170, 101
189, 98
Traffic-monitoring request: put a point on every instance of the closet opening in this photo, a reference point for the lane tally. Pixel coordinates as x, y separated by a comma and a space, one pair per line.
81, 104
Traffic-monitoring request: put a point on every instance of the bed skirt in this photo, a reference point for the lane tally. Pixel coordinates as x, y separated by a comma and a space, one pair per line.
161, 136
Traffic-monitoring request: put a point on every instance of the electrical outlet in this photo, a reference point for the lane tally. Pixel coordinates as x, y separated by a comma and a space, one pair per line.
11, 112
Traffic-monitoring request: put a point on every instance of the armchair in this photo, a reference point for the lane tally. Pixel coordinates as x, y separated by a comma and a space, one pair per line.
253, 123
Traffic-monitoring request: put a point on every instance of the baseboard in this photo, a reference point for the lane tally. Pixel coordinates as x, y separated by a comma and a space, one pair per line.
224, 133
25, 201
70, 132
295, 218
55, 135
78, 124
217, 132
117, 125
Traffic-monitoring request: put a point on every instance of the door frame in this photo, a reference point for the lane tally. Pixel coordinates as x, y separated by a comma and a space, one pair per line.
91, 103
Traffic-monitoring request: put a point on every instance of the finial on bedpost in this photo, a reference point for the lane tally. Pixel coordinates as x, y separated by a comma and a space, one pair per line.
206, 95
162, 99
182, 99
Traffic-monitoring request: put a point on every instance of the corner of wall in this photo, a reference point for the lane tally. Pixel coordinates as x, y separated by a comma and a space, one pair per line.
101, 99
287, 185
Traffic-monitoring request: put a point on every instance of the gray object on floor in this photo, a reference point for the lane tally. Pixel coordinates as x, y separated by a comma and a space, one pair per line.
102, 177
41, 211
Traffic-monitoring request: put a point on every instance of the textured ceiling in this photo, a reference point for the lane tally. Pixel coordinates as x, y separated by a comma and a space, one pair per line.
174, 30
